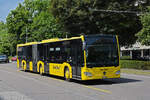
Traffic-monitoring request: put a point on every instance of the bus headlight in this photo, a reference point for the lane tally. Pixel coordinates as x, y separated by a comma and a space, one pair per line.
88, 74
118, 72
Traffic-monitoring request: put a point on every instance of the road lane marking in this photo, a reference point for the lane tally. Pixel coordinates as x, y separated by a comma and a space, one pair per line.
90, 87
57, 79
46, 84
13, 95
98, 89
34, 74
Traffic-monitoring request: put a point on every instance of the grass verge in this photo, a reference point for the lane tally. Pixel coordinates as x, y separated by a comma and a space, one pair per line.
135, 64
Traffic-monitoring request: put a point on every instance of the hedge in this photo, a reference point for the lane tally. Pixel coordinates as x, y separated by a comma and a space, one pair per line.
135, 64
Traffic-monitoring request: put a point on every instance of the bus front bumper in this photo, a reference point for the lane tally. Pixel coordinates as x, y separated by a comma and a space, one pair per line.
100, 73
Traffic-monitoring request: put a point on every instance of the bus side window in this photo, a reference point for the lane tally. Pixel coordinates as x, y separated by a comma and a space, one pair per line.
29, 52
23, 52
20, 52
66, 51
58, 57
51, 54
68, 54
40, 49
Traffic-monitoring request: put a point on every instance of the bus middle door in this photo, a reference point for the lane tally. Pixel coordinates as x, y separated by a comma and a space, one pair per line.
46, 58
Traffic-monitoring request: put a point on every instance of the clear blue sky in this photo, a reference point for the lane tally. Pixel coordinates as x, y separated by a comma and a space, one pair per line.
6, 6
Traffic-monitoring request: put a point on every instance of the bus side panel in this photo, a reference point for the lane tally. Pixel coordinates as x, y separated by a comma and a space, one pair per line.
56, 69
30, 66
18, 63
118, 48
24, 64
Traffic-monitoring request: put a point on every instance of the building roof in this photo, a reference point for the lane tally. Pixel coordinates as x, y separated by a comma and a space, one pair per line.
136, 46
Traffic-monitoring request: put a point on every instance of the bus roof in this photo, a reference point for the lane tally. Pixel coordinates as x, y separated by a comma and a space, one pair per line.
59, 39
26, 44
107, 35
48, 41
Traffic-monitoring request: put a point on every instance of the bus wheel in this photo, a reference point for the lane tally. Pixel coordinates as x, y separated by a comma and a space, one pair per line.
67, 74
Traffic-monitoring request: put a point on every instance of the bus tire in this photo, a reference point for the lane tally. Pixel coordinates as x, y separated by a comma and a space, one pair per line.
67, 74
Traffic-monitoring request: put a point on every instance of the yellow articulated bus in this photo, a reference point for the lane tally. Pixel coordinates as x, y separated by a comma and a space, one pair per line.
86, 57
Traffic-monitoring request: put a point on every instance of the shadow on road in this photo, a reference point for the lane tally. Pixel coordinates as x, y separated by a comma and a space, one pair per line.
106, 81
96, 82
124, 80
47, 75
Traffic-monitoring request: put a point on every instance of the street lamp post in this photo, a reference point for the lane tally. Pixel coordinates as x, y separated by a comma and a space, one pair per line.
26, 34
29, 21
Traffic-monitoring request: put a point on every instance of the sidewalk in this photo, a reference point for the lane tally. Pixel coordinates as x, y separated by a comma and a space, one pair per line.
135, 71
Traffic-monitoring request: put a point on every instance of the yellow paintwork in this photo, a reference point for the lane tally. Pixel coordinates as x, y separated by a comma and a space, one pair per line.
65, 64
50, 40
67, 74
58, 69
30, 66
118, 48
18, 64
57, 39
24, 67
26, 44
82, 38
42, 68
97, 72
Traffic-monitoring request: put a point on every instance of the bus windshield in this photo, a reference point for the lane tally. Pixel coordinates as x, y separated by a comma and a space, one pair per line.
101, 51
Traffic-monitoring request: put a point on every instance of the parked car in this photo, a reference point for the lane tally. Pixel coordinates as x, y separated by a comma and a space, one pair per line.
4, 58
14, 58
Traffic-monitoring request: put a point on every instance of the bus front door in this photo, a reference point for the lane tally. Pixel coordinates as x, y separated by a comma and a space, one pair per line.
76, 68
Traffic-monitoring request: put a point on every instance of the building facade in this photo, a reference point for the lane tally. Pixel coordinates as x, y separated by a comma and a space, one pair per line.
136, 51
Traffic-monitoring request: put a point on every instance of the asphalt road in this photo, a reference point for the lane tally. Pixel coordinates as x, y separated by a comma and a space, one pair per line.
19, 85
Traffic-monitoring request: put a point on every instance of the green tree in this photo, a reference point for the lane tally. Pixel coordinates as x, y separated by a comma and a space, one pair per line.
144, 34
5, 42
33, 19
93, 17
44, 25
16, 22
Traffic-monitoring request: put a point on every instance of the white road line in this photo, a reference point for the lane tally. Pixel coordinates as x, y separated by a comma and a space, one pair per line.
13, 95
